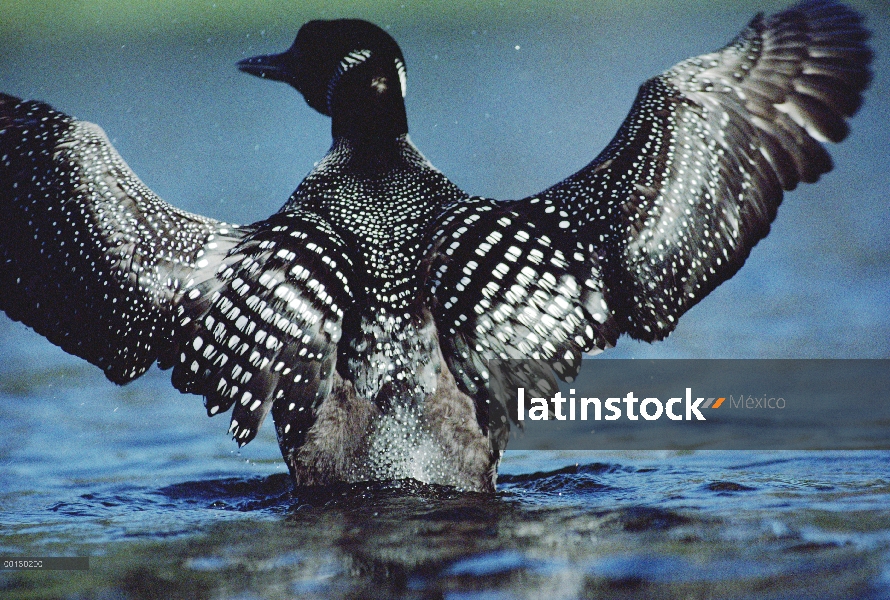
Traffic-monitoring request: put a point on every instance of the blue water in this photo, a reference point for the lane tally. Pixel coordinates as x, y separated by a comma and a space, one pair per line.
159, 497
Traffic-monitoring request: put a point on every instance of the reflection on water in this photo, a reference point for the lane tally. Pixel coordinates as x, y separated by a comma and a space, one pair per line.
137, 479
700, 525
158, 496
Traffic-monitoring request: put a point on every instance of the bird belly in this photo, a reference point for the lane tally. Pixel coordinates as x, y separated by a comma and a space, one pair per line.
410, 428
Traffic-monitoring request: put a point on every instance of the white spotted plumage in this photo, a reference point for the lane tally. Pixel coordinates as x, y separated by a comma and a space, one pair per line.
363, 313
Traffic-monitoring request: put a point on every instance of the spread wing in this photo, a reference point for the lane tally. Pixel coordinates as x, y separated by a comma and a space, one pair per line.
89, 256
262, 334
96, 262
669, 210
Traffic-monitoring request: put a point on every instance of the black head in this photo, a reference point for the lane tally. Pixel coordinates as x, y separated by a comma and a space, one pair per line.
348, 69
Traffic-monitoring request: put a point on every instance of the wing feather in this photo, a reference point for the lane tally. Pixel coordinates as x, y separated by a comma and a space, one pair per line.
264, 330
96, 262
718, 138
668, 211
89, 256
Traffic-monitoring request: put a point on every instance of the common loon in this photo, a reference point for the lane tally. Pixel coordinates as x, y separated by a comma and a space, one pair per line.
361, 315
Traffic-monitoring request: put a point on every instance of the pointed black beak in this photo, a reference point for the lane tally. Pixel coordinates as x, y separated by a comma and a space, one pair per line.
277, 67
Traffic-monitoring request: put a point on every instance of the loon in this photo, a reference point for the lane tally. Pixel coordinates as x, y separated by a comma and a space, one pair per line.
363, 313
